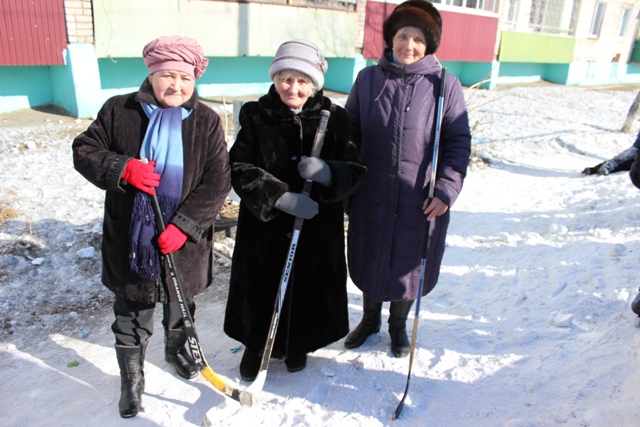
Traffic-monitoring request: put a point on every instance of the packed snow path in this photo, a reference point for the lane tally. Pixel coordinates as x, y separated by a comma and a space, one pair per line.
529, 325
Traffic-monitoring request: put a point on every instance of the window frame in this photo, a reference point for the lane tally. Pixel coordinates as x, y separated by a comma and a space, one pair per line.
597, 20
624, 21
345, 5
490, 6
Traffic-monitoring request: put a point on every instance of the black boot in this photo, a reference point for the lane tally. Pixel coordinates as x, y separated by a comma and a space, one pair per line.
131, 380
635, 304
296, 362
176, 354
398, 312
250, 365
143, 350
369, 325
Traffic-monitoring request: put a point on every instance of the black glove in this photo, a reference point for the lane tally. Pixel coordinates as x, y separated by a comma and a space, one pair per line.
591, 170
315, 169
607, 167
297, 204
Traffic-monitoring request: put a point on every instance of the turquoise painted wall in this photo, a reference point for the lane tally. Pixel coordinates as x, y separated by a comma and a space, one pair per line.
235, 76
633, 70
483, 74
63, 89
121, 73
342, 73
520, 72
24, 87
224, 76
587, 73
82, 86
557, 73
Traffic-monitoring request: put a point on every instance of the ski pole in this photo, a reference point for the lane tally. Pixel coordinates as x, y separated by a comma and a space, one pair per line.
261, 378
242, 396
434, 168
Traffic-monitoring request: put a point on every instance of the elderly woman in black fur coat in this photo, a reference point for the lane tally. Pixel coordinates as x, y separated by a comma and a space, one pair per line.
270, 163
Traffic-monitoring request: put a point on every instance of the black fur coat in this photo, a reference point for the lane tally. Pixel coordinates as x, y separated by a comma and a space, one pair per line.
264, 162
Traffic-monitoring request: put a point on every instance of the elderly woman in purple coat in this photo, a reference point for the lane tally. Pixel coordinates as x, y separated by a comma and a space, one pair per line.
393, 108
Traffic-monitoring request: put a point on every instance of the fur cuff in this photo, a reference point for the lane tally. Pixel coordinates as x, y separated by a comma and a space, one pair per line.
114, 173
188, 226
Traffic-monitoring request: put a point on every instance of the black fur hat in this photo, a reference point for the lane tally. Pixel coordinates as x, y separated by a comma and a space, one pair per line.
415, 13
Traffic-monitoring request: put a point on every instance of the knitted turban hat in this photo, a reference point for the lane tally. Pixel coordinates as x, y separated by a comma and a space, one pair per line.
175, 53
302, 56
420, 14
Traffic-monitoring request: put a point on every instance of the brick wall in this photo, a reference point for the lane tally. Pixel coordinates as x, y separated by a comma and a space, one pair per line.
79, 16
361, 9
608, 46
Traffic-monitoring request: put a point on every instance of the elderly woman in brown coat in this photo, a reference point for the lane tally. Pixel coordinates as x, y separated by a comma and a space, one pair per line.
188, 169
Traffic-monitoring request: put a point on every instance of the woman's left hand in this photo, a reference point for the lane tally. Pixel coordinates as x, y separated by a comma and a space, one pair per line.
171, 239
436, 208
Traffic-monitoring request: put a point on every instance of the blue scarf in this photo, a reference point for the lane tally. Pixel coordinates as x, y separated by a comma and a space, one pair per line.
162, 143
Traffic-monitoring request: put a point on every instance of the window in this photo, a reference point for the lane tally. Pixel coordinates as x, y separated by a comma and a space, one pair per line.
598, 16
542, 16
514, 8
348, 5
624, 22
486, 5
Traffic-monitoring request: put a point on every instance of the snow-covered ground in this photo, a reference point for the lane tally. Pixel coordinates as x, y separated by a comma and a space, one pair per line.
529, 325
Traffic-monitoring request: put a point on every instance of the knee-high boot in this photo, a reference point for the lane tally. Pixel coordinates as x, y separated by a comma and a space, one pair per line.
143, 350
176, 354
369, 325
398, 313
131, 380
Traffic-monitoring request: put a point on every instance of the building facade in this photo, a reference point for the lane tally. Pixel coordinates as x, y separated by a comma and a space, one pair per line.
77, 53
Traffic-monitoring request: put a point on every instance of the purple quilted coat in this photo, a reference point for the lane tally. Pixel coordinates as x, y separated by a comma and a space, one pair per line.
393, 113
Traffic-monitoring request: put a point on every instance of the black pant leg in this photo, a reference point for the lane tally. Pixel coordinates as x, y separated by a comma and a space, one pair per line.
134, 322
172, 316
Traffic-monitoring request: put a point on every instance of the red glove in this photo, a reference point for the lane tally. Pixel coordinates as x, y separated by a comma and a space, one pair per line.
141, 175
171, 239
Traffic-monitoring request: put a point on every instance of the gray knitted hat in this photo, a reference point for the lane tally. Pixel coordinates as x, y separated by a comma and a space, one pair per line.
302, 56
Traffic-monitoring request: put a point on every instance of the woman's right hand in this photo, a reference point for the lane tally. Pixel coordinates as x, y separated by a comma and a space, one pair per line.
141, 175
436, 208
